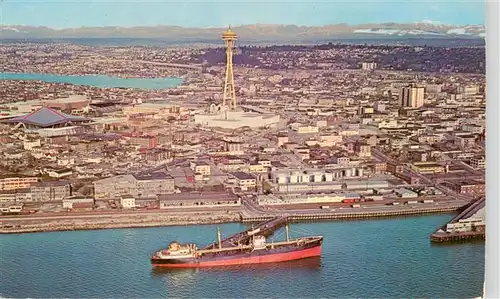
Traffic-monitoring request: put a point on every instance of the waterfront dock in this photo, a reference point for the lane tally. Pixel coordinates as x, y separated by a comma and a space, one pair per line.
17, 225
352, 215
466, 226
92, 221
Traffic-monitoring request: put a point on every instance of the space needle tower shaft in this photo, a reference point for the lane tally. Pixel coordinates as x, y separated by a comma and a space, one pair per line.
229, 97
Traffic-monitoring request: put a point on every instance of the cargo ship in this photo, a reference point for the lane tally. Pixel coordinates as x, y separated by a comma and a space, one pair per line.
248, 247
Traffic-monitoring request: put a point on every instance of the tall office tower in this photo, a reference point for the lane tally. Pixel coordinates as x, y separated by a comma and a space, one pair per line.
368, 66
411, 96
229, 97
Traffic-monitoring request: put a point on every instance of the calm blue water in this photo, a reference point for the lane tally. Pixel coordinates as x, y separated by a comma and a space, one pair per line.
98, 80
390, 258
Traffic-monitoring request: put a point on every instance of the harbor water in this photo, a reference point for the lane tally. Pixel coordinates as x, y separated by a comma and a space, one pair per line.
383, 258
100, 81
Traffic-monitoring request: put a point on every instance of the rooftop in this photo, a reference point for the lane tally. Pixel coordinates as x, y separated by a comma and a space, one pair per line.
153, 176
45, 117
51, 184
199, 196
242, 175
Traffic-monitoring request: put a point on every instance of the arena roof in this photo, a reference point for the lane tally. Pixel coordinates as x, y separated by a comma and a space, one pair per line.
45, 117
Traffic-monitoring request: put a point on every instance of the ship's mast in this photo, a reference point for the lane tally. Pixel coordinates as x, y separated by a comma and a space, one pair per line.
287, 234
218, 238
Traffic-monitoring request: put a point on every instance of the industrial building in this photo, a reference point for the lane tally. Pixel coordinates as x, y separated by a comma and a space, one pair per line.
467, 225
314, 175
405, 193
244, 180
14, 183
199, 200
330, 186
50, 191
75, 201
272, 199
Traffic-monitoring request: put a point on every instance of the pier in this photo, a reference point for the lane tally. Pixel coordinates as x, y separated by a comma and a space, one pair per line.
474, 230
266, 228
351, 215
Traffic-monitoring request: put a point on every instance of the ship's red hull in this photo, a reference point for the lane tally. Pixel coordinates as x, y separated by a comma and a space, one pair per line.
270, 258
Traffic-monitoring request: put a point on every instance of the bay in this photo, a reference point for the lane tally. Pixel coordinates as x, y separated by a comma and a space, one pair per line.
100, 81
383, 258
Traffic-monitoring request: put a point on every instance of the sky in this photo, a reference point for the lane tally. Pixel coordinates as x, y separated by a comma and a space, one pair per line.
213, 13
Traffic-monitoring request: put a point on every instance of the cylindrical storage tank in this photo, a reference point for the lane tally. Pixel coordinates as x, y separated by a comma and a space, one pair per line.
305, 178
318, 178
328, 177
347, 172
294, 179
282, 179
360, 172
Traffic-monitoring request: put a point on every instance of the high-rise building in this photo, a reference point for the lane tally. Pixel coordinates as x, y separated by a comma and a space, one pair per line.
412, 96
368, 66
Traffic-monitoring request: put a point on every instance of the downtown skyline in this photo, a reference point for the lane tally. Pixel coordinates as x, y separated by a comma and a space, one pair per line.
69, 14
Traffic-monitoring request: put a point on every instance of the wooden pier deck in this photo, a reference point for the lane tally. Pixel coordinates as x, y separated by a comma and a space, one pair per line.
441, 236
350, 215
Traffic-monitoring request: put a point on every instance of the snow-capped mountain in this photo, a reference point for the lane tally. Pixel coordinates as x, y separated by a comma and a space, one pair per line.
425, 28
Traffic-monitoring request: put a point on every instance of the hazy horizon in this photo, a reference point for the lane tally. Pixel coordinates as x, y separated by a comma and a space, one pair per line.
68, 14
243, 25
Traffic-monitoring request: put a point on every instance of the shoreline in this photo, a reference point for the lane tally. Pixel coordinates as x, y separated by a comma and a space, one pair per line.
3, 76
113, 221
89, 227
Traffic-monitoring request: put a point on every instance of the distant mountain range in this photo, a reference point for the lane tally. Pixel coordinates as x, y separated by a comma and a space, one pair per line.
257, 32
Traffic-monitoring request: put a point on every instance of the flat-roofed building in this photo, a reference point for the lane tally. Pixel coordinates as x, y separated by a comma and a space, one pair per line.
50, 191
330, 186
127, 202
70, 202
467, 187
148, 141
478, 162
256, 167
18, 195
199, 200
289, 199
307, 129
405, 193
245, 180
13, 183
428, 167
363, 150
201, 167
135, 185
412, 96
465, 141
368, 66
